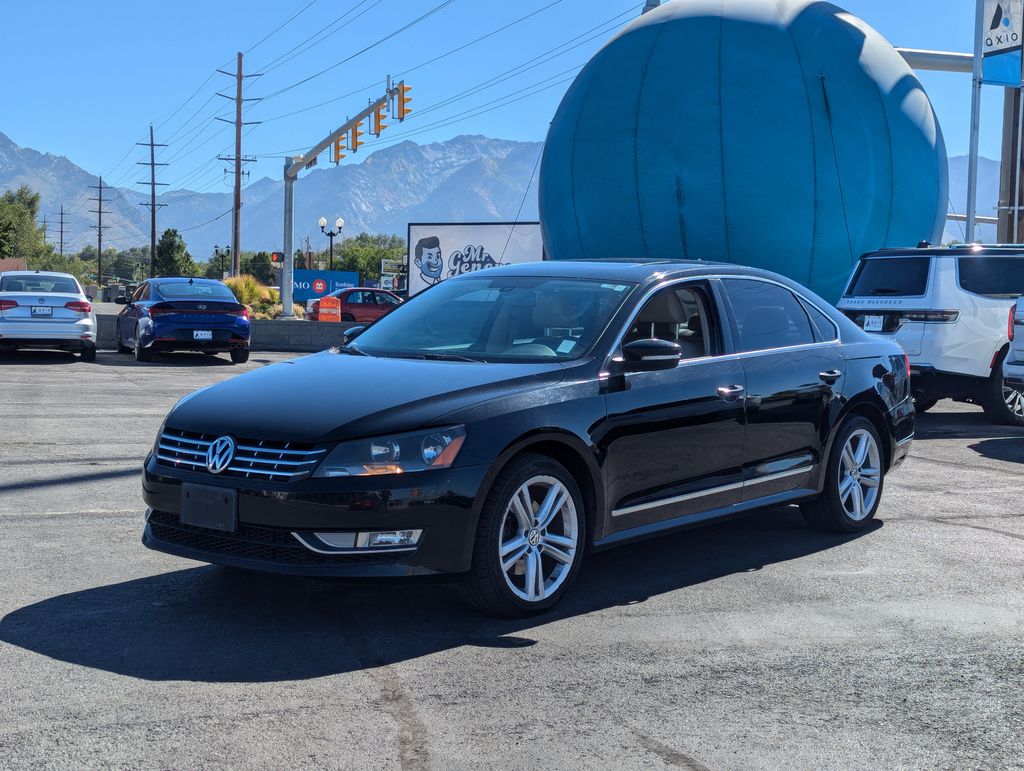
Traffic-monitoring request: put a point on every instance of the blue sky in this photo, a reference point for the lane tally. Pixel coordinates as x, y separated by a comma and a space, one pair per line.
85, 79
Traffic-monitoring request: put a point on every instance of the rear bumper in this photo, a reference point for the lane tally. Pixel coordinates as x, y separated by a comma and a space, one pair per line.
926, 379
1013, 372
178, 339
69, 335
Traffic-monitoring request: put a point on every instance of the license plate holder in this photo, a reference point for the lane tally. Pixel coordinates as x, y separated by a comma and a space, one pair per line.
202, 334
42, 310
215, 508
873, 323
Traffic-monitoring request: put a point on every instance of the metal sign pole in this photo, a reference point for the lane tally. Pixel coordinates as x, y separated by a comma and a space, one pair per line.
972, 158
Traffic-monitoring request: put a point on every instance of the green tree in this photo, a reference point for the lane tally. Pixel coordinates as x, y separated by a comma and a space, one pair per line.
261, 267
19, 235
172, 257
364, 253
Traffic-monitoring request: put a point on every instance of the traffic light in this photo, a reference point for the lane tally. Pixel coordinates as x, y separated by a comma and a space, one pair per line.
403, 100
357, 136
277, 256
336, 151
378, 116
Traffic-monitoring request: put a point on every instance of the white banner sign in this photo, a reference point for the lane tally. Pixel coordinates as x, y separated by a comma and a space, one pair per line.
440, 251
1001, 37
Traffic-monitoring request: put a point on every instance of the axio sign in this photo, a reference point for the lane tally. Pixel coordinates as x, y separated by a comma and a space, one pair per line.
313, 284
1002, 36
441, 250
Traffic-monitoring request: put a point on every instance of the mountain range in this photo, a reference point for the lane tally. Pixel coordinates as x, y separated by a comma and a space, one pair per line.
464, 179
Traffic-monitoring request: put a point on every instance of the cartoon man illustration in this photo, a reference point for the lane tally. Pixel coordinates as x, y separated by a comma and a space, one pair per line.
429, 259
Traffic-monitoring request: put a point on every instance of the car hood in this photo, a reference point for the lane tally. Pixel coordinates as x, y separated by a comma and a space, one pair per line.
331, 397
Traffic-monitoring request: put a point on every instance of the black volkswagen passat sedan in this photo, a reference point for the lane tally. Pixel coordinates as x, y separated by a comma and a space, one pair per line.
502, 423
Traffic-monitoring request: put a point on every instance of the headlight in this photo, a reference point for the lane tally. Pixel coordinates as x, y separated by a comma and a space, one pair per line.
399, 454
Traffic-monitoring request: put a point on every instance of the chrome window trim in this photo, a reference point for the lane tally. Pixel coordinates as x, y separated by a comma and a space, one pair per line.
710, 491
617, 346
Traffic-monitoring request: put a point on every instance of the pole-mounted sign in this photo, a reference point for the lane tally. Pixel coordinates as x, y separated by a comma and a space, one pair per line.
1002, 33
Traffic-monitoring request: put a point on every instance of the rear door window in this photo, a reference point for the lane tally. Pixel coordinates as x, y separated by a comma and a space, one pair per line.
992, 275
890, 276
767, 316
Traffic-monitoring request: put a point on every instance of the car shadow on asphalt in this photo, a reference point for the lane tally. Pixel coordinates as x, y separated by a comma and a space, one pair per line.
961, 425
212, 624
1009, 449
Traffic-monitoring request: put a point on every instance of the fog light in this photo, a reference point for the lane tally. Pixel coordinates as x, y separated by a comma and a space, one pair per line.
388, 538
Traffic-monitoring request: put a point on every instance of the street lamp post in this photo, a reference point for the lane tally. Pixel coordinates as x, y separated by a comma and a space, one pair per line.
338, 225
223, 255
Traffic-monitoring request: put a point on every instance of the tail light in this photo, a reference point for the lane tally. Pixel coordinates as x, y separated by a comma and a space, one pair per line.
78, 306
941, 317
156, 310
906, 365
1009, 321
243, 313
6, 305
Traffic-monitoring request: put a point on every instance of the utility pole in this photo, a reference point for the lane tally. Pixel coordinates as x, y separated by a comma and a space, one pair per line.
238, 159
152, 205
100, 227
43, 225
62, 230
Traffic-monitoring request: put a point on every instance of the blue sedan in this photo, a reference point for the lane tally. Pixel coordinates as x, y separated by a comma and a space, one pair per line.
183, 314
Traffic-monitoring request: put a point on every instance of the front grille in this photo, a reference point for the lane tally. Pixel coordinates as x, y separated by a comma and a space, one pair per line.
252, 542
254, 459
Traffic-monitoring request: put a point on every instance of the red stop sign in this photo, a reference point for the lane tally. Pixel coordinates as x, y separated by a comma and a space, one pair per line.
319, 286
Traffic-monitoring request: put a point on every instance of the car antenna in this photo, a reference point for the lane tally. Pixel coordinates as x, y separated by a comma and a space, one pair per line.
190, 281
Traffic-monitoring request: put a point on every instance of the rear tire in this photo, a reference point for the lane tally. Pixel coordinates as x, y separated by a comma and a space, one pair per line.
527, 554
88, 354
347, 317
854, 479
240, 357
141, 353
1002, 404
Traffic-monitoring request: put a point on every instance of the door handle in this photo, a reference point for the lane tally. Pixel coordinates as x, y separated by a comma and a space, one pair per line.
830, 375
731, 393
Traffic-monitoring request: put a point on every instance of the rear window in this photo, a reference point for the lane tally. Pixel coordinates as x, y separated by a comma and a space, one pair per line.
896, 276
995, 276
40, 284
174, 290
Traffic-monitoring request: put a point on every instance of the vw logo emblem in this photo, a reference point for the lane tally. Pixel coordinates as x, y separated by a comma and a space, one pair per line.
219, 454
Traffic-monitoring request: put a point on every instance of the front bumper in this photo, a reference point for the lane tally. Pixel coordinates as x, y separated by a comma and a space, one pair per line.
273, 516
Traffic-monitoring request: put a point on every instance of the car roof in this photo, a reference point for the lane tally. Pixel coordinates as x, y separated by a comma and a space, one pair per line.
637, 271
37, 273
953, 250
183, 279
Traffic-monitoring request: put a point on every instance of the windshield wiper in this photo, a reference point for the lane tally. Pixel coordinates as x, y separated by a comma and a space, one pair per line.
432, 356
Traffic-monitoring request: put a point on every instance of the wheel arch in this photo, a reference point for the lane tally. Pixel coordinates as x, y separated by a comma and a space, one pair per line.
571, 452
868, 405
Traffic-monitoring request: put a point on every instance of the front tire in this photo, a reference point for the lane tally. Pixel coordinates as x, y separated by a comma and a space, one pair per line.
1003, 404
530, 540
121, 347
853, 480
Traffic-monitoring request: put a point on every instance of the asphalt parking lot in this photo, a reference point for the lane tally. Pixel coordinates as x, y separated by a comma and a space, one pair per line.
753, 644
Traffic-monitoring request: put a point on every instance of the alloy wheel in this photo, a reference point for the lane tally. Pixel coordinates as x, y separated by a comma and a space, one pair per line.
1014, 401
538, 538
860, 474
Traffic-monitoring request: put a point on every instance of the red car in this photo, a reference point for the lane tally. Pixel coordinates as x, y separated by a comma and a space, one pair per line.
358, 304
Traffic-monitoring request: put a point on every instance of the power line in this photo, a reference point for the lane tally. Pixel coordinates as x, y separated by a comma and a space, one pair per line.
100, 227
152, 205
280, 26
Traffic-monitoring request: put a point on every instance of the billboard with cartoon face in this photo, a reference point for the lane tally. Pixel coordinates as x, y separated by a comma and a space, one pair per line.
441, 250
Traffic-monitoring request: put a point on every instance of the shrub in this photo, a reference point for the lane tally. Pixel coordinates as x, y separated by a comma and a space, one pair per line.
246, 288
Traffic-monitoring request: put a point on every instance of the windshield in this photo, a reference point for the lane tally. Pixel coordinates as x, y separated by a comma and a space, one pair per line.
994, 276
183, 289
498, 319
896, 276
40, 284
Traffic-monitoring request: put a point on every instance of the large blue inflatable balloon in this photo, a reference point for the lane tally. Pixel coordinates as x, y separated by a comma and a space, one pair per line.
784, 134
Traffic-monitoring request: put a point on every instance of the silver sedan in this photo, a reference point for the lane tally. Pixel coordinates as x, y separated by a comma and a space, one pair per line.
39, 309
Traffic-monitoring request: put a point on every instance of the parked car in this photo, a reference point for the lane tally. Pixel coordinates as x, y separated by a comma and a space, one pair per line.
947, 308
358, 304
184, 314
509, 420
40, 309
1013, 364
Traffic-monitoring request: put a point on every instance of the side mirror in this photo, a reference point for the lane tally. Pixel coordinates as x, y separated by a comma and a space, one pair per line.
351, 333
650, 355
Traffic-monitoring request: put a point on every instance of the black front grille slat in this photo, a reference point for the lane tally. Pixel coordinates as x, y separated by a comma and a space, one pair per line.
254, 459
264, 544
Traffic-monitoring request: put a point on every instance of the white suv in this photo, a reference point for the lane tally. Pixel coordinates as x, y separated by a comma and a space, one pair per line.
948, 309
1013, 365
